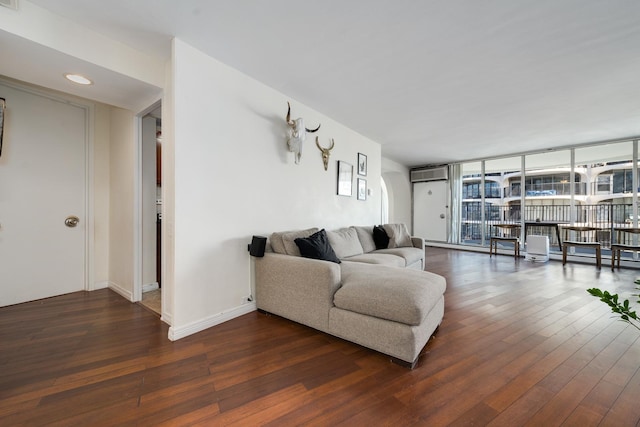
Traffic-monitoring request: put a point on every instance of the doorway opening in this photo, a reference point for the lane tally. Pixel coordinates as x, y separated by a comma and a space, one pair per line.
151, 209
384, 206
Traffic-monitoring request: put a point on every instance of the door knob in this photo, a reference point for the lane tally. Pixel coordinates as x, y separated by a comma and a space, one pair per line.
442, 216
71, 221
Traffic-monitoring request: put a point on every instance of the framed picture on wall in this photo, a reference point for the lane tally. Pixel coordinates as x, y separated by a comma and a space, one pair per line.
362, 189
345, 178
362, 164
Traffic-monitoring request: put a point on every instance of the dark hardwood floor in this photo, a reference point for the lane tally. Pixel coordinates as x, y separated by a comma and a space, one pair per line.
520, 344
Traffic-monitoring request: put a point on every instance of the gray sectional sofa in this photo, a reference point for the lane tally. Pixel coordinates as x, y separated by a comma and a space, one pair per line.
378, 298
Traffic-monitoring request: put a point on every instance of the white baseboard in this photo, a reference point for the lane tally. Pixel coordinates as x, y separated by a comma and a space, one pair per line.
553, 256
166, 318
124, 292
175, 333
99, 285
150, 287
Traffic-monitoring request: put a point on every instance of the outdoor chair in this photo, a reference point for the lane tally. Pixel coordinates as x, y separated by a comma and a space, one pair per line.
505, 233
583, 237
627, 239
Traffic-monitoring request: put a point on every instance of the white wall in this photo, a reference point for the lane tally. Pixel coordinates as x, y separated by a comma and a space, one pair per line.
121, 195
168, 196
397, 179
235, 178
34, 23
100, 194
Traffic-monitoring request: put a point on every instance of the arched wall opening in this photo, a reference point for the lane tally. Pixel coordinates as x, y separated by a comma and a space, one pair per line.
384, 205
398, 190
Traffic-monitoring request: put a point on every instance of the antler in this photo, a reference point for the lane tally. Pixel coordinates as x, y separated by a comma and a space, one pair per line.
291, 122
325, 149
326, 152
289, 114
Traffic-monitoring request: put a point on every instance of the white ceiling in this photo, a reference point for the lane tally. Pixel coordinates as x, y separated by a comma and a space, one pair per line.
432, 81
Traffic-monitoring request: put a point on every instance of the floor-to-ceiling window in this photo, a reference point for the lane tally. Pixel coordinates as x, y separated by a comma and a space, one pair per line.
548, 189
591, 185
506, 172
471, 221
608, 170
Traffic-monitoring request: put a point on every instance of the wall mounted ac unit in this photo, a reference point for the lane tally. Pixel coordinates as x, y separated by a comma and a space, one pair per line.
430, 174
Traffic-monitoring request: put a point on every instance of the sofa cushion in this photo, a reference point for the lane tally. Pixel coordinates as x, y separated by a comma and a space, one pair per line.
317, 246
365, 235
277, 243
345, 242
400, 295
378, 258
410, 255
380, 237
398, 235
288, 238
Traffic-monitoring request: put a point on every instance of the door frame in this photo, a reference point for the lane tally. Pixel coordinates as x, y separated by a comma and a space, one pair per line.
89, 111
137, 213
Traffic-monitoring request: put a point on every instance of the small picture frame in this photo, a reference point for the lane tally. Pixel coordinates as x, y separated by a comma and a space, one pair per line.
362, 189
362, 164
345, 178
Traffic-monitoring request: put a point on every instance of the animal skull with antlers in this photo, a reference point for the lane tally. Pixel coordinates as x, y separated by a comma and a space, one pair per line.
326, 152
297, 135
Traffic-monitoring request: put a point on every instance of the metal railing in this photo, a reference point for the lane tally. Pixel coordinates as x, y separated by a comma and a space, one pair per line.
548, 189
606, 217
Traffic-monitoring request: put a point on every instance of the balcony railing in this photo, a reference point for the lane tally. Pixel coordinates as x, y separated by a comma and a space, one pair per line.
605, 216
548, 189
609, 188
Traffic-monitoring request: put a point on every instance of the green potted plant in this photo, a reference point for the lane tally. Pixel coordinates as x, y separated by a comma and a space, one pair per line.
622, 309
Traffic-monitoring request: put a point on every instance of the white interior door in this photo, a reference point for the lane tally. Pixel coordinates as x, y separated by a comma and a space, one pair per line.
430, 210
42, 183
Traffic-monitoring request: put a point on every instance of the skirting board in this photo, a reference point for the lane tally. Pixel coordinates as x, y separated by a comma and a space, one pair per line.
150, 287
552, 256
99, 285
125, 293
206, 323
166, 318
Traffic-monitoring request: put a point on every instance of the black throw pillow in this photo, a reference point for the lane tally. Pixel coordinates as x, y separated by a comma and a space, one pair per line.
317, 246
380, 237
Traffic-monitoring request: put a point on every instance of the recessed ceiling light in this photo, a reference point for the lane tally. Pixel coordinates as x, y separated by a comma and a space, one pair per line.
78, 78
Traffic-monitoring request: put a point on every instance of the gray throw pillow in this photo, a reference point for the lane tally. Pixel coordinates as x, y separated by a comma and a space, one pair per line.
345, 242
398, 235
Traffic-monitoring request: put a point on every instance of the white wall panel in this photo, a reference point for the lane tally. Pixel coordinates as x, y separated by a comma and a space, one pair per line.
234, 178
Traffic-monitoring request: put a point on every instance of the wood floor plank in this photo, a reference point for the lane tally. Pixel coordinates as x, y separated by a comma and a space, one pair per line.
624, 410
520, 344
523, 408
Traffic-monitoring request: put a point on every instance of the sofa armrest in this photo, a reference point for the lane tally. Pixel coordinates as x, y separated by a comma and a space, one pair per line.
418, 242
300, 289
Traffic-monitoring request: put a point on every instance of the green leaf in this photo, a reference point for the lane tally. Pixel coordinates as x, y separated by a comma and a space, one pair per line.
622, 309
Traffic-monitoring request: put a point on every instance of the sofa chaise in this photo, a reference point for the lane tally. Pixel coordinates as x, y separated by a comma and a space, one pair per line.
378, 298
